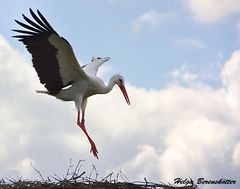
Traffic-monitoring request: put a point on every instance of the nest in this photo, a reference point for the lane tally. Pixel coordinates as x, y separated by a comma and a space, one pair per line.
75, 179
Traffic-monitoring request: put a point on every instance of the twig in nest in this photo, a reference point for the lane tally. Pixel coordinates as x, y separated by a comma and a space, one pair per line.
146, 181
37, 171
123, 176
2, 181
68, 170
108, 178
77, 169
96, 173
57, 178
78, 176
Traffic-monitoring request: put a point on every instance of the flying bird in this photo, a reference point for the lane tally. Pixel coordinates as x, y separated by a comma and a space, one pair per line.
59, 71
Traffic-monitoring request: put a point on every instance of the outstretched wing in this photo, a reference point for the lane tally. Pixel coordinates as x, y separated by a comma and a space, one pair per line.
52, 55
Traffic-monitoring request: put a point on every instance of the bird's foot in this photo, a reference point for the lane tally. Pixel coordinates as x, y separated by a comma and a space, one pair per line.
93, 149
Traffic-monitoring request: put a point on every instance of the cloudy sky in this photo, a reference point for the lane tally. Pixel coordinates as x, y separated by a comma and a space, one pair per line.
181, 63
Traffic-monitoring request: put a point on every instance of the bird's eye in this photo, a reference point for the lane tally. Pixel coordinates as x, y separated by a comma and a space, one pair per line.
121, 81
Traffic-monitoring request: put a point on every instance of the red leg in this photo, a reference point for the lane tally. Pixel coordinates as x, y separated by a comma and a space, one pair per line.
82, 126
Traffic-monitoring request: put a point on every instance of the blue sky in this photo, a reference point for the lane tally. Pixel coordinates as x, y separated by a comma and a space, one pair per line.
181, 63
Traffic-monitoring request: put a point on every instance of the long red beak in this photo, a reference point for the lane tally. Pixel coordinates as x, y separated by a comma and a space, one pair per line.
124, 91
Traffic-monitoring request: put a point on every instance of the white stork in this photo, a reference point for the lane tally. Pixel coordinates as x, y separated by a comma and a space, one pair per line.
59, 70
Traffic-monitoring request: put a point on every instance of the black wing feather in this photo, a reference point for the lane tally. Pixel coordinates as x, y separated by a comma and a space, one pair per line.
38, 20
44, 20
27, 26
33, 23
25, 32
43, 52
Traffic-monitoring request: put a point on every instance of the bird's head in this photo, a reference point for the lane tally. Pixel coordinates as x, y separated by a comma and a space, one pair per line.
119, 80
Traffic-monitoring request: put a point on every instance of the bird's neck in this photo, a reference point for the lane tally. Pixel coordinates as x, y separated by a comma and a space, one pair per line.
110, 85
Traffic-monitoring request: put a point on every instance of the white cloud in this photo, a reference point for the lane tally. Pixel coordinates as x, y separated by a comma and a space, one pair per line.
211, 11
187, 133
236, 156
189, 43
184, 75
152, 18
174, 131
25, 168
144, 163
231, 79
195, 148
